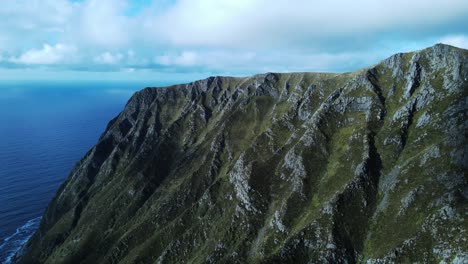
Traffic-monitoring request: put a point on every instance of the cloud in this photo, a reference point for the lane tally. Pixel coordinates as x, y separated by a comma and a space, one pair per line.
31, 22
91, 23
222, 62
103, 23
284, 23
56, 54
209, 59
221, 36
460, 41
108, 58
187, 58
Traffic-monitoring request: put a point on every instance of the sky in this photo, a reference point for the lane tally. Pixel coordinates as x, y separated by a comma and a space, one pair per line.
183, 40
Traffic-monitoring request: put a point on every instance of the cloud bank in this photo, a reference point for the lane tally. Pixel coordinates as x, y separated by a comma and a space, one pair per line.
221, 36
59, 53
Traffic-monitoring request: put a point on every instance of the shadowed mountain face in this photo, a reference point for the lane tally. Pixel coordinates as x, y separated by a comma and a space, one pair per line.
276, 168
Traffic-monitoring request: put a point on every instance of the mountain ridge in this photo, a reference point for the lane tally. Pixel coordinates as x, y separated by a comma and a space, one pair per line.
276, 167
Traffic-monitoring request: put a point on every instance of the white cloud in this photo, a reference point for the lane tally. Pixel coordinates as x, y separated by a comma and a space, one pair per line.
91, 23
216, 59
285, 23
59, 53
26, 22
108, 58
460, 41
223, 35
103, 23
189, 24
276, 61
187, 58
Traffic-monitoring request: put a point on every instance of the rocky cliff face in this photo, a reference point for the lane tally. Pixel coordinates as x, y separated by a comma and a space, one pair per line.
366, 166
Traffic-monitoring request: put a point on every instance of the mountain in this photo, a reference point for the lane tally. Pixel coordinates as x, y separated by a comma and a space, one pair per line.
367, 166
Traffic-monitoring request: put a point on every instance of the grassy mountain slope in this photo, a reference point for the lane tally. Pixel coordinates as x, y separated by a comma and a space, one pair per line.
366, 166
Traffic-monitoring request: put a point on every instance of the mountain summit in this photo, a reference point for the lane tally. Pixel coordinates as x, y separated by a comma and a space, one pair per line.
367, 166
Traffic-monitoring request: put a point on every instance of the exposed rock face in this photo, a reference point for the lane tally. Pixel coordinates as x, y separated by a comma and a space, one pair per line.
276, 168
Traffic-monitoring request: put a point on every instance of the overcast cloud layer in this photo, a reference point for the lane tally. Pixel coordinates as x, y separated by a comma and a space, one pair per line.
186, 39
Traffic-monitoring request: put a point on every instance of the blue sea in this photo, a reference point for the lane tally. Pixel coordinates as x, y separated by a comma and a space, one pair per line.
45, 128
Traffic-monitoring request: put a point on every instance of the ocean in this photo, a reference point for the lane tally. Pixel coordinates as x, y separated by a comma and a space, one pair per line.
45, 128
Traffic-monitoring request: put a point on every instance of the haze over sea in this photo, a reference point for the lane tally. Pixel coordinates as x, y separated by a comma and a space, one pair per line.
45, 128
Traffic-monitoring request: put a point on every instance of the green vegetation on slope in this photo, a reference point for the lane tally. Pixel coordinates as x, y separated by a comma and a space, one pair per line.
276, 168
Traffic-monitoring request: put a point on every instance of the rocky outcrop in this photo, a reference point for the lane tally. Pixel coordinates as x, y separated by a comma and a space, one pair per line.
276, 168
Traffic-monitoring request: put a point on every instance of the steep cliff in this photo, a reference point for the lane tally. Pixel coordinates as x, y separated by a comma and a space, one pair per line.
366, 166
